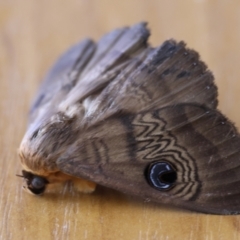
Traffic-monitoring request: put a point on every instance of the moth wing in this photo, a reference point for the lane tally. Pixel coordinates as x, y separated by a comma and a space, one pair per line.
115, 52
200, 144
79, 76
87, 67
170, 74
61, 78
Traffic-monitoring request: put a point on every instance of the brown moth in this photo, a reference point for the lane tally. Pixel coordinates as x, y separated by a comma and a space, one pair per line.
137, 119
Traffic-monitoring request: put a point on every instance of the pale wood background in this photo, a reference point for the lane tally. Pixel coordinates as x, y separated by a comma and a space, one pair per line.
32, 35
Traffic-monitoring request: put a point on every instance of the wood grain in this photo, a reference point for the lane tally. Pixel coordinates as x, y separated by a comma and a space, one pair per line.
32, 35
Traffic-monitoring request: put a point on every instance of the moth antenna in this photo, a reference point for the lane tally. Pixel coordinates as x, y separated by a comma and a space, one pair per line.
20, 176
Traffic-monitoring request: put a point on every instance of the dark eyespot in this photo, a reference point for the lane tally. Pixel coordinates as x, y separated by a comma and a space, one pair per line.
161, 175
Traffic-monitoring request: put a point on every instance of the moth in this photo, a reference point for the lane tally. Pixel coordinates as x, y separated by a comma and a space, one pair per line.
137, 119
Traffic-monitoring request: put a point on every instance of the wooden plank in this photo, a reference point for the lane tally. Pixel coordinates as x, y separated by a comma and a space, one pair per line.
32, 35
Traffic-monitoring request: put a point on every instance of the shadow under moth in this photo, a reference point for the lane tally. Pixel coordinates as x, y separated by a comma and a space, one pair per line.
137, 119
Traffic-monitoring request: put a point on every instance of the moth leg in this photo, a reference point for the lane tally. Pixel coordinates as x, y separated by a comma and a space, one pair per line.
83, 185
80, 184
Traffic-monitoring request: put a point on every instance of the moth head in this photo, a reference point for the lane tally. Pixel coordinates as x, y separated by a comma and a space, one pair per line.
35, 184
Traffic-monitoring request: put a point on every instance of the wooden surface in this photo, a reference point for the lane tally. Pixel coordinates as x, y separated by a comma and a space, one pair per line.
32, 35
